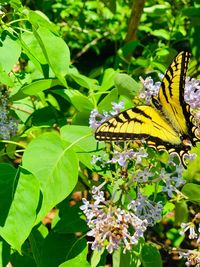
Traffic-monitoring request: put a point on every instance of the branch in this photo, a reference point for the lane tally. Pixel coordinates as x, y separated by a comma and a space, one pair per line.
136, 13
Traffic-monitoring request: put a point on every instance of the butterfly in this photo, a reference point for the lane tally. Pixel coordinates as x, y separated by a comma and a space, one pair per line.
165, 124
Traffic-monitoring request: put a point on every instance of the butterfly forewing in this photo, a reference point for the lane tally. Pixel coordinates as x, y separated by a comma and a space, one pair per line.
136, 123
171, 93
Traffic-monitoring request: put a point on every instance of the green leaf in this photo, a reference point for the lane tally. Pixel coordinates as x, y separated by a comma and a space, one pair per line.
15, 4
78, 261
96, 257
157, 10
173, 234
105, 104
35, 88
38, 86
168, 207
55, 165
22, 213
81, 118
192, 191
26, 260
7, 179
55, 51
191, 12
75, 224
83, 141
5, 78
126, 85
57, 248
162, 34
82, 80
128, 259
111, 4
9, 53
36, 239
108, 80
181, 212
80, 101
4, 253
32, 48
21, 105
150, 256
45, 116
37, 19
130, 47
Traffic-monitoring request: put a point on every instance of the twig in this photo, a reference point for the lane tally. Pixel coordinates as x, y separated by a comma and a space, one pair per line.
87, 46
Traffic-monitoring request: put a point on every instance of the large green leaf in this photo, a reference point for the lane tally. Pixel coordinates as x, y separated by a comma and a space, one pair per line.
108, 79
75, 224
192, 191
22, 213
150, 256
5, 78
81, 137
80, 101
32, 48
82, 80
5, 251
55, 51
56, 167
126, 85
127, 259
37, 19
35, 88
181, 212
10, 51
36, 239
58, 248
105, 104
76, 262
7, 179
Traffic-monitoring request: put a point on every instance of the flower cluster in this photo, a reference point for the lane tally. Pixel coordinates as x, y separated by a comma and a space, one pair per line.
192, 92
142, 176
110, 225
146, 209
149, 88
172, 180
192, 258
122, 157
8, 125
194, 233
97, 119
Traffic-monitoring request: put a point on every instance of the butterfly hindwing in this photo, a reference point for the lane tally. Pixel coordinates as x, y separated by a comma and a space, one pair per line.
171, 93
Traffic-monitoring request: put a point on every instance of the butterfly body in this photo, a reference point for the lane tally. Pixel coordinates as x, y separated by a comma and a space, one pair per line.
165, 124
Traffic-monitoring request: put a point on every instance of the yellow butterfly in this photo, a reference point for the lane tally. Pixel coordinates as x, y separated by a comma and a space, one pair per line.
165, 124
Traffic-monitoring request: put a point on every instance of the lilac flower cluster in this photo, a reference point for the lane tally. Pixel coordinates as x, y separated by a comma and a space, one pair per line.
172, 180
97, 119
192, 91
122, 157
194, 233
149, 88
192, 258
110, 225
8, 125
146, 209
